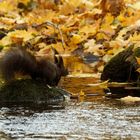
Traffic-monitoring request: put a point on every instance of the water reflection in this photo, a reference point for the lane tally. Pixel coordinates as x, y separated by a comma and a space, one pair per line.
84, 118
103, 119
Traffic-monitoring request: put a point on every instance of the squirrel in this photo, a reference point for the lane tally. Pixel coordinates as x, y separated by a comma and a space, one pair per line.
19, 60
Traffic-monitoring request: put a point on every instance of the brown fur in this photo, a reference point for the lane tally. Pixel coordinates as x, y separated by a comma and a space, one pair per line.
18, 60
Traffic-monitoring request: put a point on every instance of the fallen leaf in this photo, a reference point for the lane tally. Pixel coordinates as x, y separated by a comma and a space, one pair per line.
138, 60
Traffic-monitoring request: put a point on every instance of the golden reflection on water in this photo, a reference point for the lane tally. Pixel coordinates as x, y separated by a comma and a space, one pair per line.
83, 82
79, 88
79, 78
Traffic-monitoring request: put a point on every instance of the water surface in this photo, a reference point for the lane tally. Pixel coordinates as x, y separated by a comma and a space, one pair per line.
93, 117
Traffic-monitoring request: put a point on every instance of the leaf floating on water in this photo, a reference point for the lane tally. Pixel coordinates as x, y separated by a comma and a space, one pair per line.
82, 93
116, 84
130, 99
84, 75
103, 85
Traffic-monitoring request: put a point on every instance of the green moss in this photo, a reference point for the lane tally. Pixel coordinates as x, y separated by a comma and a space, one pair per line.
30, 92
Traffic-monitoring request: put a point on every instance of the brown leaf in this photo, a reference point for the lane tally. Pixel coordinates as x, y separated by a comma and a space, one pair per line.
112, 6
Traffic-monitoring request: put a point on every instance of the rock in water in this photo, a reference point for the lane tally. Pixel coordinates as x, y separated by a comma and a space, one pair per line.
30, 93
122, 67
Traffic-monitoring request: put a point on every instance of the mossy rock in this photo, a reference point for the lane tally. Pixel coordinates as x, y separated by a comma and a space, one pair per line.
30, 93
122, 67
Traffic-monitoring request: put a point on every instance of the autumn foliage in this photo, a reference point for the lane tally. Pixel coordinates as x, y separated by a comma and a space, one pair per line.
98, 27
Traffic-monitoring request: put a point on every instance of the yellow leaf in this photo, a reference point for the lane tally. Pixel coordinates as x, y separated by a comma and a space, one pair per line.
136, 6
21, 34
90, 44
130, 99
116, 47
133, 16
82, 93
107, 30
121, 18
108, 19
101, 36
24, 1
89, 29
135, 37
16, 36
5, 41
138, 70
75, 3
67, 8
76, 39
138, 60
6, 6
106, 26
103, 85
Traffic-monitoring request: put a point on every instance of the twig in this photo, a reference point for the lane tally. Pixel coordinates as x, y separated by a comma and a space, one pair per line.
56, 27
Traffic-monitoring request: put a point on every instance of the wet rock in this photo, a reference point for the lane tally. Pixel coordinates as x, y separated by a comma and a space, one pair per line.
87, 57
32, 93
90, 58
122, 67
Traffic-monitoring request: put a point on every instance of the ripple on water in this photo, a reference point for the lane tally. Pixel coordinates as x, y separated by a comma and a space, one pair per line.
98, 120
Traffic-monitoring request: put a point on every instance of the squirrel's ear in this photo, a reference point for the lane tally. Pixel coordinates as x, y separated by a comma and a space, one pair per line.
59, 62
57, 59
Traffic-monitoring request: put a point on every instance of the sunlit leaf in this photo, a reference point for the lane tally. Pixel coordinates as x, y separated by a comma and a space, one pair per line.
136, 5
138, 70
138, 60
67, 8
130, 99
135, 37
6, 6
24, 1
16, 36
89, 29
82, 93
84, 25
76, 39
103, 85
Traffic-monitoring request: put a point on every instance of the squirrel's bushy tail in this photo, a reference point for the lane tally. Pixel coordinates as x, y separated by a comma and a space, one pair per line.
17, 60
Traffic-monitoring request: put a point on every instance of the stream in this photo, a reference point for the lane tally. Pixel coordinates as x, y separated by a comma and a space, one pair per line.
93, 117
